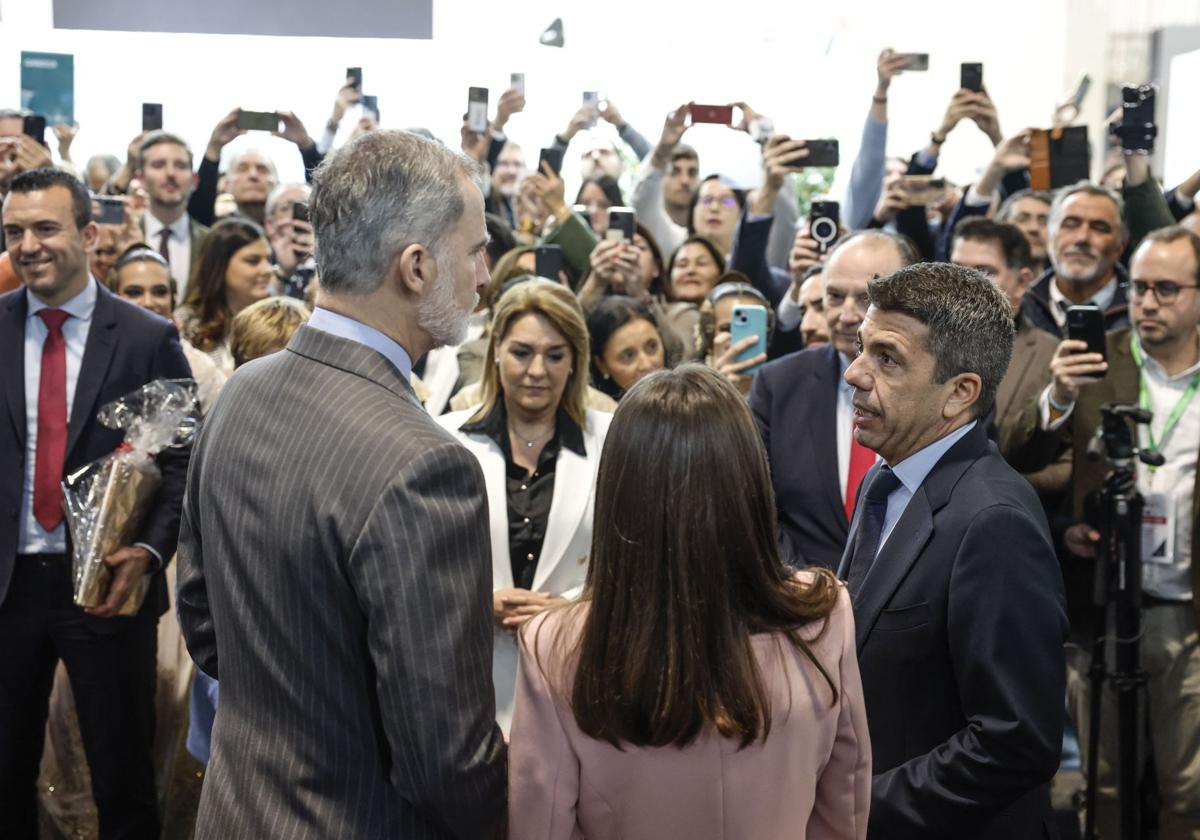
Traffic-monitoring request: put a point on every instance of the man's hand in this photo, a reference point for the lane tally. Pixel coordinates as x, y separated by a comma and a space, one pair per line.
1013, 153
1070, 368
550, 189
612, 115
673, 129
9, 147
983, 112
513, 607
614, 264
31, 154
474, 144
348, 95
892, 201
579, 121
749, 115
959, 109
224, 132
889, 65
293, 130
512, 101
130, 232
128, 565
780, 155
1081, 540
66, 136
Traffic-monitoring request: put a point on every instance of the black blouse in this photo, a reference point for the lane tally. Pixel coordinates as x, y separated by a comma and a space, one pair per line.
529, 494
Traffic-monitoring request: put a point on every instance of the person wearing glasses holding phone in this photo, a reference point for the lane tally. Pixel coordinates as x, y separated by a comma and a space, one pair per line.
1156, 364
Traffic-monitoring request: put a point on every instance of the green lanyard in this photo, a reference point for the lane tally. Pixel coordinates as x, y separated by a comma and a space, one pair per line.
1185, 399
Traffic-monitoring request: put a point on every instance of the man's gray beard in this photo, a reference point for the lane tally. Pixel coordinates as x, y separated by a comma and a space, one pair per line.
439, 316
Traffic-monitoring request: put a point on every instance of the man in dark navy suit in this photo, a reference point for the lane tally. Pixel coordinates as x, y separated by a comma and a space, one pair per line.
69, 346
958, 599
804, 413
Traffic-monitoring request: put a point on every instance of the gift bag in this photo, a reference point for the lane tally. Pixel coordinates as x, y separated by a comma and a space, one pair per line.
107, 500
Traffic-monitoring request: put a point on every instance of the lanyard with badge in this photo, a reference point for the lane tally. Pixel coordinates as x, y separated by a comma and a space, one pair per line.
1158, 513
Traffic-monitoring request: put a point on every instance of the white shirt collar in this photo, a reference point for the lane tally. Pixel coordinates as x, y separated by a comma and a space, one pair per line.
178, 228
81, 306
342, 326
914, 469
1103, 298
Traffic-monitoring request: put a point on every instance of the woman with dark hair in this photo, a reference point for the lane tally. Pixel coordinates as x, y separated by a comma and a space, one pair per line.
627, 344
598, 194
714, 212
234, 271
693, 270
714, 339
698, 688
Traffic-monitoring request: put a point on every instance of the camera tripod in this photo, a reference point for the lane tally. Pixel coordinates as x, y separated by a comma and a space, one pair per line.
1118, 582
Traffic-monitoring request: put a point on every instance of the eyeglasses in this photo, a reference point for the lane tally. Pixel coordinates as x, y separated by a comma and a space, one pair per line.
1165, 291
728, 202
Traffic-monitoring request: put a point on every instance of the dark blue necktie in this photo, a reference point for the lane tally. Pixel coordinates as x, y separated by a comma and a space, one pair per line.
870, 526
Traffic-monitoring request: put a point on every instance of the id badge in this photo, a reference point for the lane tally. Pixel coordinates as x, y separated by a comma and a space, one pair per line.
1158, 529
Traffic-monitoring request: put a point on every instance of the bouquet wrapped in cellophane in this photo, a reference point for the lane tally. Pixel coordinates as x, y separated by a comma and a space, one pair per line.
107, 500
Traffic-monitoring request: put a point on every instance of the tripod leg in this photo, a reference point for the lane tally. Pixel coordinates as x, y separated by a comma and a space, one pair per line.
1097, 673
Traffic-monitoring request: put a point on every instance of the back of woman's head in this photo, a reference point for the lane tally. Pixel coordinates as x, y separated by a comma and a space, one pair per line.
206, 290
684, 569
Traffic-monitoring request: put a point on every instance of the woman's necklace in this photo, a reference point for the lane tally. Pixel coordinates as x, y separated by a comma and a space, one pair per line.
529, 444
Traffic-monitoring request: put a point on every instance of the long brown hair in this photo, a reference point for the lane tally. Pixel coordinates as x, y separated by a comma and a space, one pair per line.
684, 569
211, 315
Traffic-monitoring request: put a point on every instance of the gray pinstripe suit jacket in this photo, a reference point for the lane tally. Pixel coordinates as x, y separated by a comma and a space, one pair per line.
335, 575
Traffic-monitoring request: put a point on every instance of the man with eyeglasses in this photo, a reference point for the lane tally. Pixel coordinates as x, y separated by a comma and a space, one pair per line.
805, 414
1155, 364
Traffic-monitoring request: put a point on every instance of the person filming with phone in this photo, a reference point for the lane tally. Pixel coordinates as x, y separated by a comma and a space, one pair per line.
1155, 364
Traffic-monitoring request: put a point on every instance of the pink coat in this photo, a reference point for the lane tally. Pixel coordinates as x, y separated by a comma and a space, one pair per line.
810, 779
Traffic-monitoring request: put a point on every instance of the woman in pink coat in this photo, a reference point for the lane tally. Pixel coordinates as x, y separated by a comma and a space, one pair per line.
698, 689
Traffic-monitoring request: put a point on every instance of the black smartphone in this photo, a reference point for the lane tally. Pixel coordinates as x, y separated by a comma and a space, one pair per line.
621, 224
109, 211
370, 105
354, 74
477, 109
258, 120
548, 261
1086, 323
554, 157
972, 77
152, 116
299, 211
1137, 130
917, 62
820, 153
1058, 157
823, 220
34, 125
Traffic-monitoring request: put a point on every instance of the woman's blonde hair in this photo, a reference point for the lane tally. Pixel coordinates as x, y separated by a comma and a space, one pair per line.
265, 327
559, 306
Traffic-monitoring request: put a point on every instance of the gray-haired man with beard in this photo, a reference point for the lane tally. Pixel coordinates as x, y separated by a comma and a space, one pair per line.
334, 548
1088, 234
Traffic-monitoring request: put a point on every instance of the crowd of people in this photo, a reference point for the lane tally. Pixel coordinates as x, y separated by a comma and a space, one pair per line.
827, 574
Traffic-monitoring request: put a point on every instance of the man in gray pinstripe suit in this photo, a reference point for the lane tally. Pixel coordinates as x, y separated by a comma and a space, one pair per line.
335, 573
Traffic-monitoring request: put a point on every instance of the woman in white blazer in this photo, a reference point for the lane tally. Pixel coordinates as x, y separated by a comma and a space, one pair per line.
539, 448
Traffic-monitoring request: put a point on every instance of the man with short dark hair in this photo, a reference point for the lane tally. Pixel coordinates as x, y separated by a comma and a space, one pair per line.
957, 596
1155, 364
165, 169
1029, 210
804, 413
70, 346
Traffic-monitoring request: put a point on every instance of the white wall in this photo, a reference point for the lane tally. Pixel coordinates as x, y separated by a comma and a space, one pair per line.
1183, 143
810, 66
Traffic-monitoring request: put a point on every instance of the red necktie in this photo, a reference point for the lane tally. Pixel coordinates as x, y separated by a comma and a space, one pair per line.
861, 461
51, 423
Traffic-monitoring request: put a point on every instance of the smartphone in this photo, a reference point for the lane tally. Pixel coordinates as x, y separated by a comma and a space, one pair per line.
354, 74
715, 114
972, 77
34, 125
548, 261
917, 62
1081, 91
370, 104
554, 157
922, 190
1137, 130
258, 120
299, 211
516, 81
152, 116
823, 219
477, 109
592, 98
749, 321
109, 211
820, 153
621, 224
1058, 157
1086, 323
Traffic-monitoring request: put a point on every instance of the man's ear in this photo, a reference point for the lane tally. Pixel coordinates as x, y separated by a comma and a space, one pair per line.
416, 269
965, 390
1025, 278
90, 232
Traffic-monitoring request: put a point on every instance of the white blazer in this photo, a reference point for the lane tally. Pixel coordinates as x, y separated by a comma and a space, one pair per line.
562, 566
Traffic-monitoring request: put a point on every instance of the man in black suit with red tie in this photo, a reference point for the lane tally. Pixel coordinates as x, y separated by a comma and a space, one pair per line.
958, 600
69, 346
804, 413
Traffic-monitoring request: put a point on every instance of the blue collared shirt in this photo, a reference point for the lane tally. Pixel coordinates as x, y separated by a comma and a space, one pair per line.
34, 539
912, 472
335, 323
